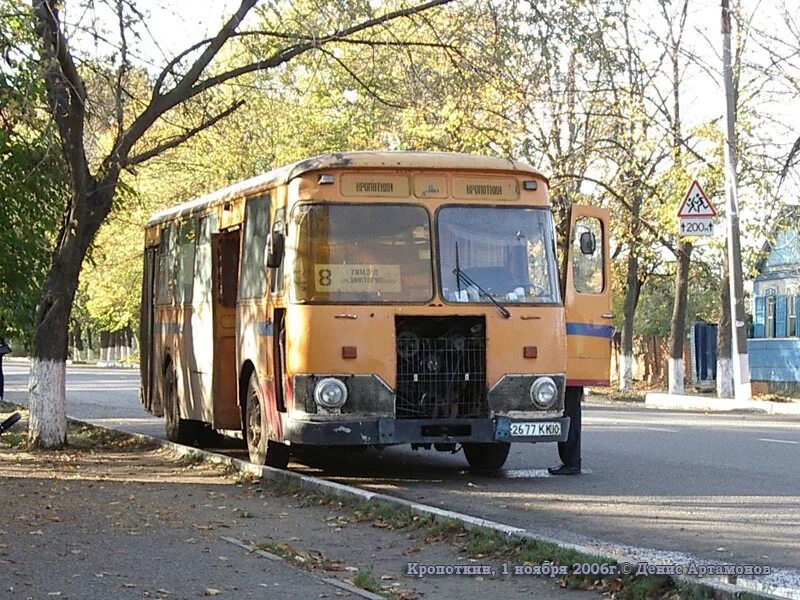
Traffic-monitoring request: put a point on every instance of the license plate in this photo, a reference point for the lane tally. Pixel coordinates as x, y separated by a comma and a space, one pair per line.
535, 429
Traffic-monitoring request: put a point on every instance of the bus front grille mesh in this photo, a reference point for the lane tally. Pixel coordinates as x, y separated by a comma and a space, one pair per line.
441, 367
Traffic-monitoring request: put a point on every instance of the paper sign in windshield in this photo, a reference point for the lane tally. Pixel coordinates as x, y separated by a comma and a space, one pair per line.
357, 278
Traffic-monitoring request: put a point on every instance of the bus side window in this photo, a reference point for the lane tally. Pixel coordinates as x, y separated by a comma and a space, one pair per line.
166, 260
184, 264
253, 283
202, 293
587, 262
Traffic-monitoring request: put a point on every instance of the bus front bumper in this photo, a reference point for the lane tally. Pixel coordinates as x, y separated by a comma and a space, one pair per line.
387, 430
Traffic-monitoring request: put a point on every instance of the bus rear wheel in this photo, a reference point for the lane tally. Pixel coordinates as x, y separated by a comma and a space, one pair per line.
262, 450
486, 457
177, 430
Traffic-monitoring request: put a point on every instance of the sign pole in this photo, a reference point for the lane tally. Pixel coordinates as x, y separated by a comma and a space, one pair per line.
741, 364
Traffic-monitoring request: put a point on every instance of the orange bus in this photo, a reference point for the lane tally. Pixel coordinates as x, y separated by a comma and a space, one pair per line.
372, 299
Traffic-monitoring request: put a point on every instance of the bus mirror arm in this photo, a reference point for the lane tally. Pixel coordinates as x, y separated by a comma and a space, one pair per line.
275, 249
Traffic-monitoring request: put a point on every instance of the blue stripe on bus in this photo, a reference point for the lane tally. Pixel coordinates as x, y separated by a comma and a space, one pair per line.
602, 331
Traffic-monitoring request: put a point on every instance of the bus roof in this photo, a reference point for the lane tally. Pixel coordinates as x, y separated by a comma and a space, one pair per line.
363, 160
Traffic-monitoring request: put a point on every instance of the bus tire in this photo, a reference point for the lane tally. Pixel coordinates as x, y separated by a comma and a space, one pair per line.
262, 450
486, 457
178, 430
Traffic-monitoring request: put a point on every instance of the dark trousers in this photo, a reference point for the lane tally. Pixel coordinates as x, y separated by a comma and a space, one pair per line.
1, 376
570, 451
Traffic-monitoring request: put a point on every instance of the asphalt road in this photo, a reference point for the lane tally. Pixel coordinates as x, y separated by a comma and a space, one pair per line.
713, 486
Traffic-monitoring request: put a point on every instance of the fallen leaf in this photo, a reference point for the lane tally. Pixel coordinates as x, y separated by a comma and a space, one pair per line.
212, 592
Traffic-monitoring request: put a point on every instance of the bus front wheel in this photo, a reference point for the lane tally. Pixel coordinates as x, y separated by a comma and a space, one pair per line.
486, 457
262, 450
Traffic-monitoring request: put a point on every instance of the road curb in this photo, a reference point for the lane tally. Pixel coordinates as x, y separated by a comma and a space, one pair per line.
342, 585
665, 401
719, 589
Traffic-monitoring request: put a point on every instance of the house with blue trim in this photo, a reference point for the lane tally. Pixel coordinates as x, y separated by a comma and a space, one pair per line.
774, 348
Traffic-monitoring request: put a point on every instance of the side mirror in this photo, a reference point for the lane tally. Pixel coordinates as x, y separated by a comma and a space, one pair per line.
275, 243
588, 243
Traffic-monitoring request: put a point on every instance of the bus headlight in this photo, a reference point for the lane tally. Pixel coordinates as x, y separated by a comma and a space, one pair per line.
330, 393
544, 392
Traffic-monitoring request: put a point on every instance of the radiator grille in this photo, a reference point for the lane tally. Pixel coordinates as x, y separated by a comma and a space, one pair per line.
441, 368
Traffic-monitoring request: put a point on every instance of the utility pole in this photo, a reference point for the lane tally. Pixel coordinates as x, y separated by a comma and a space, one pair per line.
741, 364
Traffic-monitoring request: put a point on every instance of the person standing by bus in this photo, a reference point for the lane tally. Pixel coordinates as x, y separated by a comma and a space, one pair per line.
570, 451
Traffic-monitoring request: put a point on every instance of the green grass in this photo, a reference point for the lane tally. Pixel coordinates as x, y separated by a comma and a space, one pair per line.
192, 459
366, 581
385, 514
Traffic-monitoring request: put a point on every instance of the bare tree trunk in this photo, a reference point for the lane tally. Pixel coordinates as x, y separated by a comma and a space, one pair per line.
632, 288
89, 345
48, 419
78, 341
105, 341
724, 359
678, 323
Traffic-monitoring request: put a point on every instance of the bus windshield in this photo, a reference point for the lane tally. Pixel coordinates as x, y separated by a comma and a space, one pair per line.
508, 252
361, 253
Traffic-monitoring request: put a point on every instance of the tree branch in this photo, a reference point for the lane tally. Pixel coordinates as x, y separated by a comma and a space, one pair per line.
290, 52
123, 63
364, 85
65, 90
187, 87
621, 199
178, 140
199, 65
166, 71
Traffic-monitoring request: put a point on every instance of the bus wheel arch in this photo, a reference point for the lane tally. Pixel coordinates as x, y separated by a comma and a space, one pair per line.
256, 426
245, 373
181, 431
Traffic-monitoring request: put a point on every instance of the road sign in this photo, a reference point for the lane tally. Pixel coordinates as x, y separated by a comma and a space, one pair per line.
697, 226
696, 204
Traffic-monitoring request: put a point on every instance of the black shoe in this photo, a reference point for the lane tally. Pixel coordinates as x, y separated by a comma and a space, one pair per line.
564, 470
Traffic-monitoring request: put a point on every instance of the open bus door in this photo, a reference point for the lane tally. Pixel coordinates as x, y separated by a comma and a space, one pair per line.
587, 298
225, 253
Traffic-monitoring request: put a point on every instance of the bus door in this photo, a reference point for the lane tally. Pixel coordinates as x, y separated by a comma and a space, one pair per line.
278, 316
587, 298
201, 338
225, 252
146, 328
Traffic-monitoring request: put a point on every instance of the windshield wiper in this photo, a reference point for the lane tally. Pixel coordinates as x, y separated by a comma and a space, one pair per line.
461, 276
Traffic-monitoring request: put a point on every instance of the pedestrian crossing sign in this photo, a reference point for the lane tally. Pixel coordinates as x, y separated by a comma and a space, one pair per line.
696, 204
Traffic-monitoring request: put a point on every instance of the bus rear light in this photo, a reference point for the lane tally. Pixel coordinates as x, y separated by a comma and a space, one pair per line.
349, 352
